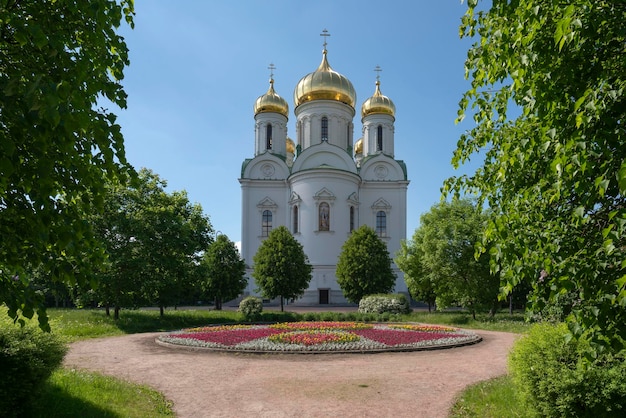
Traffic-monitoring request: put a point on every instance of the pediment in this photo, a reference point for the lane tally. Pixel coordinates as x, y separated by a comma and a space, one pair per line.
353, 198
267, 203
381, 204
295, 198
324, 194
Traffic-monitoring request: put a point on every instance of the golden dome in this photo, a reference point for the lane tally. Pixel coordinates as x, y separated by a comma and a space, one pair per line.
358, 147
271, 102
324, 84
378, 104
291, 146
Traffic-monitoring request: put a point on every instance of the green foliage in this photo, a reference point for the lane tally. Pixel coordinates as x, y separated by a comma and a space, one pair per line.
251, 308
57, 146
441, 258
416, 276
28, 357
364, 266
224, 271
281, 268
394, 304
553, 379
556, 174
153, 240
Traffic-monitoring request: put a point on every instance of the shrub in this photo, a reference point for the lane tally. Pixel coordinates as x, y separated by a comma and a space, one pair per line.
251, 308
28, 357
393, 304
553, 379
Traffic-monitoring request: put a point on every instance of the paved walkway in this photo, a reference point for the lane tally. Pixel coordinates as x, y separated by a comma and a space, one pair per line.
209, 384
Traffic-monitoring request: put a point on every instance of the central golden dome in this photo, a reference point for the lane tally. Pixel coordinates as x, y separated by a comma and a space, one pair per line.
324, 84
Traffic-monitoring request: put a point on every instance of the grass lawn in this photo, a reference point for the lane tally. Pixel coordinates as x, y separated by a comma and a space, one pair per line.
71, 393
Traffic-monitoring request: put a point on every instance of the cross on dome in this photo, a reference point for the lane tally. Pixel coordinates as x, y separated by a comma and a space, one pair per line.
378, 70
271, 67
325, 34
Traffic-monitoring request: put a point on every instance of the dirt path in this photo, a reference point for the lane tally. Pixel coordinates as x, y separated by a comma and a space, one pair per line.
208, 384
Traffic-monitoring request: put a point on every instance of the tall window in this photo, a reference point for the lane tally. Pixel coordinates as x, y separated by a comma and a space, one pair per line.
324, 128
379, 138
295, 219
324, 217
351, 218
266, 223
381, 223
268, 136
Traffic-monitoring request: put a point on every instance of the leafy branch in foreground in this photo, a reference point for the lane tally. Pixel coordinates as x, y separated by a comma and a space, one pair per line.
555, 176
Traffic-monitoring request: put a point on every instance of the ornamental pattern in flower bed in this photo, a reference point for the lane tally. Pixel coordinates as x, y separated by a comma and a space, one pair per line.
320, 336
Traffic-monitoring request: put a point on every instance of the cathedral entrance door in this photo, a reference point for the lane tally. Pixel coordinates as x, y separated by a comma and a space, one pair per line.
323, 296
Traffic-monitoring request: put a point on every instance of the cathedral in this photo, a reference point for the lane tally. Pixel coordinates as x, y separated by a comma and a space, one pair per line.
323, 185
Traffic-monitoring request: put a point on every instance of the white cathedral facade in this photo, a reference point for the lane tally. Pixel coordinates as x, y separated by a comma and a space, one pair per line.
322, 186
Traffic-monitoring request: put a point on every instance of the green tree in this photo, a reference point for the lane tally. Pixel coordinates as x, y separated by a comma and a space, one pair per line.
556, 174
225, 271
364, 266
442, 254
153, 241
409, 260
57, 147
281, 268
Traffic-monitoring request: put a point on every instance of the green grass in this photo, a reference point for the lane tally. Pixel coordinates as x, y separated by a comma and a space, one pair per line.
502, 321
78, 393
77, 324
495, 398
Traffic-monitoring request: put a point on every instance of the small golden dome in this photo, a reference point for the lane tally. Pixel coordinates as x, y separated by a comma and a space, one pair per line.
291, 146
324, 84
378, 104
271, 102
358, 147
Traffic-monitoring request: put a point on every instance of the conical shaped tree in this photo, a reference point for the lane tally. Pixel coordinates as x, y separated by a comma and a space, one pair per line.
364, 266
280, 266
225, 271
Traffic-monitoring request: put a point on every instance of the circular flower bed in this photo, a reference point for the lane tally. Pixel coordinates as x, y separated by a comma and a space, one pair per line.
297, 337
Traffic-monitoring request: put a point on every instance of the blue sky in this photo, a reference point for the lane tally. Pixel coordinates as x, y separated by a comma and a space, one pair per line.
198, 66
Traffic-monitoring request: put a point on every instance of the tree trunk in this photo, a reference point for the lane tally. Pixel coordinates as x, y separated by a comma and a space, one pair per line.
218, 303
116, 312
511, 303
430, 307
282, 301
161, 311
107, 310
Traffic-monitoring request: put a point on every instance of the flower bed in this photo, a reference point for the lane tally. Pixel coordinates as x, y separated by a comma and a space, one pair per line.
294, 337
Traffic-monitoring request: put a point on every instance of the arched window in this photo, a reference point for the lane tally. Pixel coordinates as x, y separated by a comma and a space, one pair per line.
268, 136
295, 219
266, 223
324, 128
381, 223
351, 218
379, 138
324, 217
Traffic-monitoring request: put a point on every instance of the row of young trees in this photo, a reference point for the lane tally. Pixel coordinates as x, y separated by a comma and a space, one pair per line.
159, 251
282, 270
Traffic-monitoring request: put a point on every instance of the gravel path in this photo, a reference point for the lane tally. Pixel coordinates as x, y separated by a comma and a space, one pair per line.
210, 384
